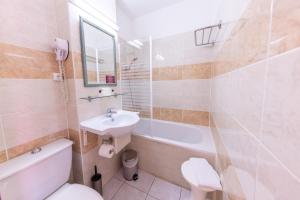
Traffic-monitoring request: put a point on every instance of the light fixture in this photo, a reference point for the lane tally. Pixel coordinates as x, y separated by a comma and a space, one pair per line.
134, 44
138, 42
159, 57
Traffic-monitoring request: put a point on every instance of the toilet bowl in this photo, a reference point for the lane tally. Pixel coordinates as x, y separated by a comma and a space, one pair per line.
75, 192
201, 176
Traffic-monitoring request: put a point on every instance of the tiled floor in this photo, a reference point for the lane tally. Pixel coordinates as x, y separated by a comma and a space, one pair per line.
147, 187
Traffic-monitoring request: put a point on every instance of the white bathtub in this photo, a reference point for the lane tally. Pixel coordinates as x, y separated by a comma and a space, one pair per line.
192, 137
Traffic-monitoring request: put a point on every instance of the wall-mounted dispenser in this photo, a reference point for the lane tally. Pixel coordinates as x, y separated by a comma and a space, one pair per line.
61, 49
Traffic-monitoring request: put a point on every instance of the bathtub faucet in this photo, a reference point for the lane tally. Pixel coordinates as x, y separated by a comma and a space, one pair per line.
110, 112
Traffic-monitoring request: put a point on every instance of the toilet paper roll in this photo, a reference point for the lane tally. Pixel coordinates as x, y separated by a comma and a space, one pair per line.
106, 150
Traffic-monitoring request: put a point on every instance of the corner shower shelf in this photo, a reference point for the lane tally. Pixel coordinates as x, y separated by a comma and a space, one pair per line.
90, 98
207, 35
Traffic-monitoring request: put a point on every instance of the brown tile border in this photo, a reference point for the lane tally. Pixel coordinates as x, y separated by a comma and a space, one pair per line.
23, 148
183, 72
183, 116
3, 157
74, 136
92, 141
20, 62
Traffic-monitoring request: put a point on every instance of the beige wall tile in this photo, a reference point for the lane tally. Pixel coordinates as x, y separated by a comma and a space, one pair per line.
92, 142
3, 157
191, 94
237, 152
182, 72
281, 119
248, 41
246, 95
75, 137
156, 112
285, 26
269, 186
19, 62
155, 74
26, 95
31, 24
197, 71
170, 73
254, 104
78, 139
195, 117
77, 167
21, 128
184, 116
171, 114
3, 153
28, 146
230, 181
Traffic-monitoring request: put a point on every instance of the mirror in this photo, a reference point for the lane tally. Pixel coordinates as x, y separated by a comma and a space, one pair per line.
98, 53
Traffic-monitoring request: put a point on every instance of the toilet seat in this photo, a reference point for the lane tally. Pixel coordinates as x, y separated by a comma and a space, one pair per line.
199, 173
75, 192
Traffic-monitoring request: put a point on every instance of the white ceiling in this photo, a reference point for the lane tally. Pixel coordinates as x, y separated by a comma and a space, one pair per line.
137, 8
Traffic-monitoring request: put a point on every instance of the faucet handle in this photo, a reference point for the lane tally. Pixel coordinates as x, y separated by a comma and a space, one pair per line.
110, 110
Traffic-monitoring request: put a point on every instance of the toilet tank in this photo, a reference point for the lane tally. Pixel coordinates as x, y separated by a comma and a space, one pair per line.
36, 176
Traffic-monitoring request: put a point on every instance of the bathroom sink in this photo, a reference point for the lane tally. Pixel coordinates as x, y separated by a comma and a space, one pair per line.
120, 123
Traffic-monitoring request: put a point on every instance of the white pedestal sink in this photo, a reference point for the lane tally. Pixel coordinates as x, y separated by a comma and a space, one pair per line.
120, 123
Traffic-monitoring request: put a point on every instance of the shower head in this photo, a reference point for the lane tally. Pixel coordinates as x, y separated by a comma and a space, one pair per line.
128, 67
134, 59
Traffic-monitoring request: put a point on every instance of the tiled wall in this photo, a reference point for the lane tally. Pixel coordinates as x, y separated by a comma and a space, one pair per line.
135, 77
255, 96
86, 156
181, 79
32, 106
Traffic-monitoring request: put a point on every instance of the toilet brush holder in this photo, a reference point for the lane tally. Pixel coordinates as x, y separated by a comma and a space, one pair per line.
97, 181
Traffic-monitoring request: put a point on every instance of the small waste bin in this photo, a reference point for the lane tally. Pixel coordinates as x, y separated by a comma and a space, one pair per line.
130, 165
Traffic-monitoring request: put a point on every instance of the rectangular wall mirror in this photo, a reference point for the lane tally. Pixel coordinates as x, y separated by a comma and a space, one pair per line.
98, 53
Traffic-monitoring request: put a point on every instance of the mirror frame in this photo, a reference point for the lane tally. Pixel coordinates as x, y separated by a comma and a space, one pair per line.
83, 54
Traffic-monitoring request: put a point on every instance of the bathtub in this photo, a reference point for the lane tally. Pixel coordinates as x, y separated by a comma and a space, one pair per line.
163, 146
192, 137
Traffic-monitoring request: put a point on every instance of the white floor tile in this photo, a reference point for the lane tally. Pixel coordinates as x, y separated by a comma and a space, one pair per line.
129, 193
119, 175
144, 182
110, 188
164, 190
185, 194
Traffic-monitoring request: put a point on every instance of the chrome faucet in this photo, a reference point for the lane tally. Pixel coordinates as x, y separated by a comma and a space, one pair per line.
110, 112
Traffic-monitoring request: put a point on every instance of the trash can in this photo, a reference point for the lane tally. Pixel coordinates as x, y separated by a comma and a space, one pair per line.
130, 165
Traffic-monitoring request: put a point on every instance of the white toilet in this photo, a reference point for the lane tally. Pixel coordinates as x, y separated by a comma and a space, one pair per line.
43, 175
201, 176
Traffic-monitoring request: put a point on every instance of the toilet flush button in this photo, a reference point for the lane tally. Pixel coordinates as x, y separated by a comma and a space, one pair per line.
35, 150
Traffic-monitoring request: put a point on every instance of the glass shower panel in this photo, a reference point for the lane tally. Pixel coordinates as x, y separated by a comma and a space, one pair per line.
135, 65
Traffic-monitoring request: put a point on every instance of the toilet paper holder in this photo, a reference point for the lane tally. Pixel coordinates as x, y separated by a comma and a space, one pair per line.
108, 141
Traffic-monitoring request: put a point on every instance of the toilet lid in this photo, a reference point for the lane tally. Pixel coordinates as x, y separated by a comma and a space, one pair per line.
75, 192
199, 173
